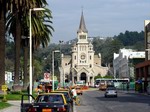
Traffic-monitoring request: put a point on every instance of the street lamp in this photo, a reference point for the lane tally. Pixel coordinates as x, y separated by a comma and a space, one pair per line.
61, 76
30, 36
53, 67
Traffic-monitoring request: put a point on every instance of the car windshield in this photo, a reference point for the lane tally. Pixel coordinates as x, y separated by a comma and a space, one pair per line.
66, 95
49, 99
111, 88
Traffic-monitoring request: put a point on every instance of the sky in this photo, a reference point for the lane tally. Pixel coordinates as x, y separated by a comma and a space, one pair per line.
104, 18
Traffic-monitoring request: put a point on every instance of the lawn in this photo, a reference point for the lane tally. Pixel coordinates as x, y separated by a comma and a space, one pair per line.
4, 105
14, 97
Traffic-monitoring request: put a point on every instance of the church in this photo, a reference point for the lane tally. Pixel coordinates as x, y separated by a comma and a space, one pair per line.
82, 64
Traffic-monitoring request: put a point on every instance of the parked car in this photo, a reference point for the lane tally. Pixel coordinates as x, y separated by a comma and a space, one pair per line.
111, 91
68, 90
67, 93
46, 102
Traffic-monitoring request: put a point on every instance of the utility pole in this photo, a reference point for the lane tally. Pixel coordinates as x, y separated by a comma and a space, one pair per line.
61, 73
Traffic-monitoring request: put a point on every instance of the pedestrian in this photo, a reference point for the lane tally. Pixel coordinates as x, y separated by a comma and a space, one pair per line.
74, 93
127, 86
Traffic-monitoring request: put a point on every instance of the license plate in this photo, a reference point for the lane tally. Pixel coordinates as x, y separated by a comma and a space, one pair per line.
46, 110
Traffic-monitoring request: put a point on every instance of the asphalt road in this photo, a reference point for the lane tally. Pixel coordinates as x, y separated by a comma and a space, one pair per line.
94, 101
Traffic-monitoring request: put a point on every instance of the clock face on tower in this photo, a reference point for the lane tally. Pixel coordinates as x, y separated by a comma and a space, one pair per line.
82, 56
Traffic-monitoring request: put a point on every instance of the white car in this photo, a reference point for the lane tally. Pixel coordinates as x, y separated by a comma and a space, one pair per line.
96, 85
111, 91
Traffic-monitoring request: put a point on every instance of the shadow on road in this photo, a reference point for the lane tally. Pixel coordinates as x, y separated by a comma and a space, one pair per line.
128, 98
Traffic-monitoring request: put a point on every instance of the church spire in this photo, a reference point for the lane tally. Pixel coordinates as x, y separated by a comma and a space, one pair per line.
82, 27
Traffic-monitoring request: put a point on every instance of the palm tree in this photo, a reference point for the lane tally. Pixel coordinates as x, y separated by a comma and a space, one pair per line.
41, 31
43, 25
3, 11
24, 46
18, 18
19, 8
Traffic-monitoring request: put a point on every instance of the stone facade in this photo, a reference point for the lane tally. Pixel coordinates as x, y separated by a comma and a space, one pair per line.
82, 64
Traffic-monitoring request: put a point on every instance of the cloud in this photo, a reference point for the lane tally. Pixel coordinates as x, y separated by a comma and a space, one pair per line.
102, 17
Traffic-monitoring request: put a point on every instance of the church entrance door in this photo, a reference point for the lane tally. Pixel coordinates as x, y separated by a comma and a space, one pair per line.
83, 77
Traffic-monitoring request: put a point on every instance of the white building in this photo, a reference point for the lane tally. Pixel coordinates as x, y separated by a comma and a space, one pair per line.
82, 64
122, 68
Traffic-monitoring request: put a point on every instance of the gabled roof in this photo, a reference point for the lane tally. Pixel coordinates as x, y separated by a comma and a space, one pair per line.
83, 70
82, 26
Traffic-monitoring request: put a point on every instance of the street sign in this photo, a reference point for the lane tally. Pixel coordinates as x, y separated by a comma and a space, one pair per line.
4, 87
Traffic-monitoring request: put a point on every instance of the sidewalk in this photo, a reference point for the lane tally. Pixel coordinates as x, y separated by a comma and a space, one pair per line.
14, 108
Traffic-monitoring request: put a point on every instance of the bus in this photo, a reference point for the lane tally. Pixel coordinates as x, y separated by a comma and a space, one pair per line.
117, 82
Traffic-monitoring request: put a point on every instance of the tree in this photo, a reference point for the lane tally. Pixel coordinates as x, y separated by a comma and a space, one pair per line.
14, 17
130, 38
98, 45
37, 69
20, 16
3, 11
108, 76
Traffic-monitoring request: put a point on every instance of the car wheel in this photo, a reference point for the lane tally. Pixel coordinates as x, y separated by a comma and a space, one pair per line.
105, 96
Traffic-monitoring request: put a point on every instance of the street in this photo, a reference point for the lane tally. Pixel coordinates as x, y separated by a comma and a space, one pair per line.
94, 101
